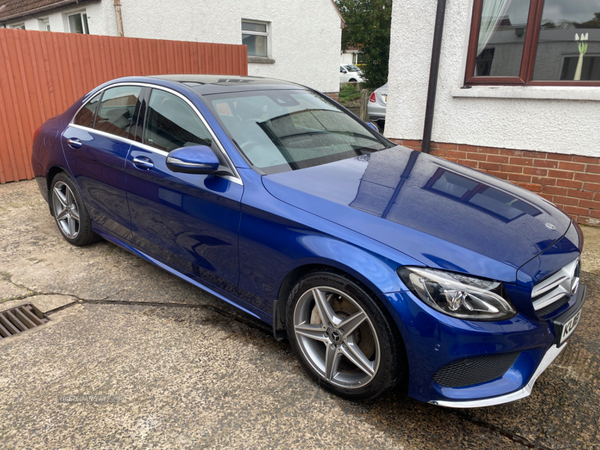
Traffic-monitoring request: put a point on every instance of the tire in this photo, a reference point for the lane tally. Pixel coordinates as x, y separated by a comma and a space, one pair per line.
69, 211
356, 354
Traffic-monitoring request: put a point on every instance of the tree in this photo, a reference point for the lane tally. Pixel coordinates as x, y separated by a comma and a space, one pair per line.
368, 24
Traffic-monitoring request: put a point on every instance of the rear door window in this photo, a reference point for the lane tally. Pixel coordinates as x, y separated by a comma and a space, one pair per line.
85, 116
171, 123
115, 114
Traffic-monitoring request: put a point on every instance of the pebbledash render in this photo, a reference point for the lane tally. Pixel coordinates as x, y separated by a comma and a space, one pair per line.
517, 95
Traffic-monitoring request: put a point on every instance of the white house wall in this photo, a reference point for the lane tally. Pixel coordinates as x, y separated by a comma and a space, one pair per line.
551, 119
305, 37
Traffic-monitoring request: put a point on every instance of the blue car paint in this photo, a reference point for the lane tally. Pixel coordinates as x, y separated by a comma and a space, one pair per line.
436, 340
191, 221
276, 238
332, 215
98, 166
362, 193
198, 155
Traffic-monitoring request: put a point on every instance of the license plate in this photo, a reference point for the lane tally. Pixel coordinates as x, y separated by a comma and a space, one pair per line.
569, 327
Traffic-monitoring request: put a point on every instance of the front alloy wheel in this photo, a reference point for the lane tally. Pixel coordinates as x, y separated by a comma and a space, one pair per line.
336, 337
342, 337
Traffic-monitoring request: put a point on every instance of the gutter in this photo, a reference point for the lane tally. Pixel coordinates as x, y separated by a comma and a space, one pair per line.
433, 74
38, 10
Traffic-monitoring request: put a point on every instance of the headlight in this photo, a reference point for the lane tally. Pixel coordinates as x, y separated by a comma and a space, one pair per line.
458, 295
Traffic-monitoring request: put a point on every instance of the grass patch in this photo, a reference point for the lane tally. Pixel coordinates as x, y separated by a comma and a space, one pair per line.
349, 92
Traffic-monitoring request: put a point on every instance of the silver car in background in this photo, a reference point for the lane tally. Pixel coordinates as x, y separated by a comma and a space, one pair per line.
376, 106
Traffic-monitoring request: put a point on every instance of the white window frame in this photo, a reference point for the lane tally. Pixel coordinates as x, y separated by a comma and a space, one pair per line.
44, 24
81, 13
17, 26
267, 34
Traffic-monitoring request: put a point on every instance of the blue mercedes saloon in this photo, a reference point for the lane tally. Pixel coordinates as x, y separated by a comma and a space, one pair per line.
381, 265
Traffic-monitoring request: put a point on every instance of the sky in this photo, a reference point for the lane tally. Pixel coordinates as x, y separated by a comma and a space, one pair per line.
571, 10
555, 10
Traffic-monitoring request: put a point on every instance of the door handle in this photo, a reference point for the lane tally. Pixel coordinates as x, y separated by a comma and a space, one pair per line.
74, 143
143, 162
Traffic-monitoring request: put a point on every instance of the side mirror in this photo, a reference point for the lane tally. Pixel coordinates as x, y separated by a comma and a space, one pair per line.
198, 159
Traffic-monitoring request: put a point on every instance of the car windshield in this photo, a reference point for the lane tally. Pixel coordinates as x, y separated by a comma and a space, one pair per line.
282, 130
352, 68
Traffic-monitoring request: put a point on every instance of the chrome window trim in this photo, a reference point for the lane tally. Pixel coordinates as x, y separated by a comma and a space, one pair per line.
120, 138
235, 179
550, 356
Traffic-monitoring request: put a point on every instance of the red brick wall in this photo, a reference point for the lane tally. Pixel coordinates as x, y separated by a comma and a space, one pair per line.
571, 182
333, 95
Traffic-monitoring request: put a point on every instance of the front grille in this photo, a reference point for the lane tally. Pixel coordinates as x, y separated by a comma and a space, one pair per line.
22, 318
470, 371
552, 293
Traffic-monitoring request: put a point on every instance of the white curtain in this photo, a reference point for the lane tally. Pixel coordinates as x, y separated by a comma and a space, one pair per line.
493, 11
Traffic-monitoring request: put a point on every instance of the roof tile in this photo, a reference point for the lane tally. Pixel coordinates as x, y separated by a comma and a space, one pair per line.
19, 8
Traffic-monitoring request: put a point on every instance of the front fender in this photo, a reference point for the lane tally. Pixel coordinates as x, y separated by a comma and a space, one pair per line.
276, 239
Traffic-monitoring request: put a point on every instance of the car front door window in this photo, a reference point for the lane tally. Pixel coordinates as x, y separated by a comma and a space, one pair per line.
171, 123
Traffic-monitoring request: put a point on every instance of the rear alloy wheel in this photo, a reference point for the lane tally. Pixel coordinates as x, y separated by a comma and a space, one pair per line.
70, 213
342, 337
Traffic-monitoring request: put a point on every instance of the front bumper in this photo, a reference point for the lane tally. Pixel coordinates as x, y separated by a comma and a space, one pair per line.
434, 341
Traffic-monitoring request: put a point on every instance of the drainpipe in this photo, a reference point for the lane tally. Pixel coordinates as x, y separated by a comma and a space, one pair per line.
119, 18
433, 74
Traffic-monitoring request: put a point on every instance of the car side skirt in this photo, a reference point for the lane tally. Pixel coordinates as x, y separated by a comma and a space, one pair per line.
238, 303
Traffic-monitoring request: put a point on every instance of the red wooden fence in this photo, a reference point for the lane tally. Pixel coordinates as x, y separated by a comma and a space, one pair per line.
43, 73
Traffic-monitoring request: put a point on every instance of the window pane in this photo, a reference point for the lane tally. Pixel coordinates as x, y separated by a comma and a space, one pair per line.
171, 123
257, 45
116, 111
501, 38
250, 26
569, 42
85, 117
75, 24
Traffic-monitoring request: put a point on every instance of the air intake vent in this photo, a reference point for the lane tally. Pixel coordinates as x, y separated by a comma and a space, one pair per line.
22, 318
470, 371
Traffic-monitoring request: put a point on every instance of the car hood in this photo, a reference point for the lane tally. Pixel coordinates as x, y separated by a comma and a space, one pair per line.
435, 211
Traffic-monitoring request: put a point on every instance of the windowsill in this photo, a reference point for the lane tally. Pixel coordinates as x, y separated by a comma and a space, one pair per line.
584, 93
260, 60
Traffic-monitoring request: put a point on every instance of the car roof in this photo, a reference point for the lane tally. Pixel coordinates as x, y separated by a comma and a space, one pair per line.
212, 84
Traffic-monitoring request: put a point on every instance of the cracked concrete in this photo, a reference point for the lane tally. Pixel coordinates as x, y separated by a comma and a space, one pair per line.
137, 358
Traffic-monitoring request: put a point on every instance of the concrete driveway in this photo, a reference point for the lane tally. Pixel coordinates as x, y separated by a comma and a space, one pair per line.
134, 357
